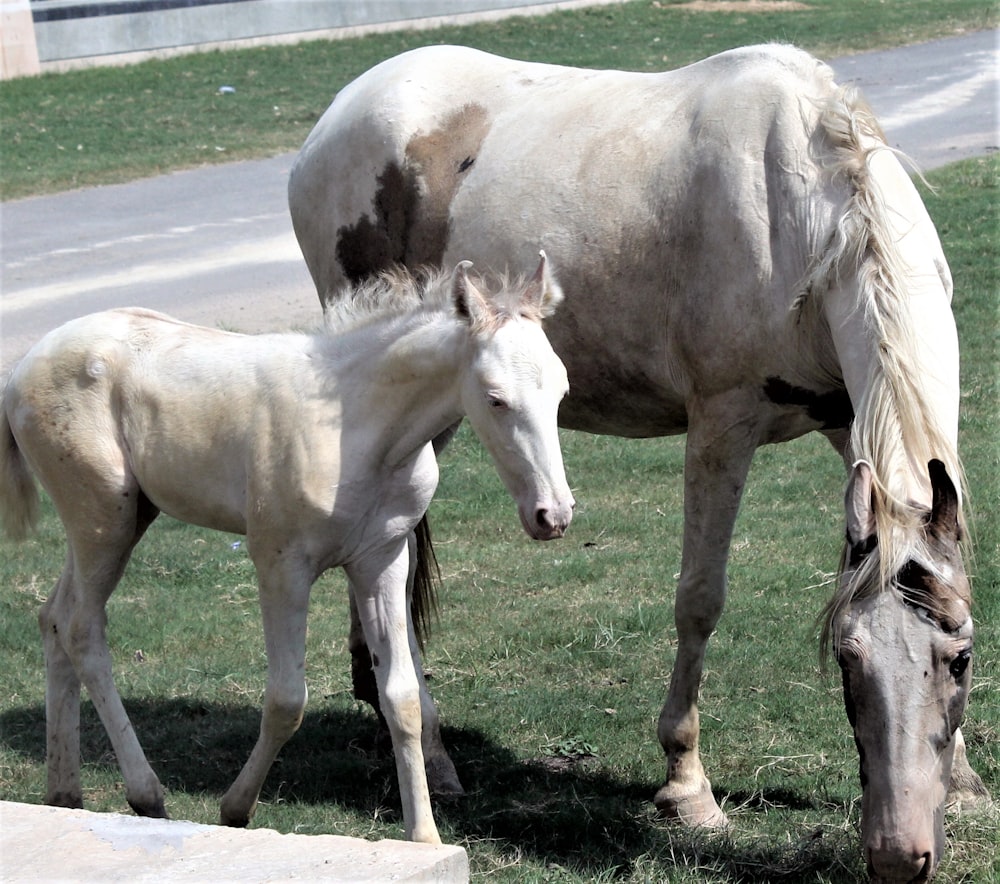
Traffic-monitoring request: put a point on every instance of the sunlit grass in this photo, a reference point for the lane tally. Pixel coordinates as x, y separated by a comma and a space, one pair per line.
550, 660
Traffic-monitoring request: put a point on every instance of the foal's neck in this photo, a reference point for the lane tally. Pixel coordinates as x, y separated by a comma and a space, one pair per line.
416, 382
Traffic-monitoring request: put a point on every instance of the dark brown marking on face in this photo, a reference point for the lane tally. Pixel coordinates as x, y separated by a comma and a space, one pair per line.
946, 605
411, 207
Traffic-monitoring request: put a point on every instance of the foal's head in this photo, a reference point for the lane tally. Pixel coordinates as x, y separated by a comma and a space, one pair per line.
901, 631
512, 390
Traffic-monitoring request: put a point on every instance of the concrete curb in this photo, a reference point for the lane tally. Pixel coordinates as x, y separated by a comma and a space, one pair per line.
39, 843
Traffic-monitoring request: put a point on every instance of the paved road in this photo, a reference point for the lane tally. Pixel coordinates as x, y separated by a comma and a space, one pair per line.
215, 245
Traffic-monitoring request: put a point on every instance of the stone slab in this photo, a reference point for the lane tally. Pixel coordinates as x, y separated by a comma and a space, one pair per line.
39, 843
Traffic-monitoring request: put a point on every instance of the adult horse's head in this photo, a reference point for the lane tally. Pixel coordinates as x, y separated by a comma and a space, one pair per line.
512, 394
901, 630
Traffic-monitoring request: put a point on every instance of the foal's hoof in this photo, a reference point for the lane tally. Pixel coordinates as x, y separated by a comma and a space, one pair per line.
697, 808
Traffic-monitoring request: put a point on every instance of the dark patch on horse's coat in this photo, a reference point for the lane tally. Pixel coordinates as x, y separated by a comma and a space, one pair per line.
832, 410
411, 205
371, 246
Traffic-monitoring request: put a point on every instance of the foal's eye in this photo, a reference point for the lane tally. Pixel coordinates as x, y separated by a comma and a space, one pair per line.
496, 402
958, 666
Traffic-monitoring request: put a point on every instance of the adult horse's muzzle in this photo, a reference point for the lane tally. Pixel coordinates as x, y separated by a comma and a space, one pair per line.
895, 864
547, 521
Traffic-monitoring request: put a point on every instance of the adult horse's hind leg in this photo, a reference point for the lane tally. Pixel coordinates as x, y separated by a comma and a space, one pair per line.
720, 446
101, 535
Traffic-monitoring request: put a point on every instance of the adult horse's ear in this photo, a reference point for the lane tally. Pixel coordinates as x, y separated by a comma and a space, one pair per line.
543, 292
468, 300
944, 522
860, 507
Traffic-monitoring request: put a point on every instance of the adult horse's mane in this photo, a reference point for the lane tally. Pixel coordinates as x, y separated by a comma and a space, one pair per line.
893, 428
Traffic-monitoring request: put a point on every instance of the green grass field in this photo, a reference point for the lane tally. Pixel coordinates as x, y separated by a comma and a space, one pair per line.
105, 125
549, 662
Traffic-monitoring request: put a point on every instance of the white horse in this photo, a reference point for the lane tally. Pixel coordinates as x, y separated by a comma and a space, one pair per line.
745, 261
316, 447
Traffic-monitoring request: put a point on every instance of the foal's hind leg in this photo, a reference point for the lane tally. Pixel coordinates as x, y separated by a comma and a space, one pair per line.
720, 448
72, 624
62, 706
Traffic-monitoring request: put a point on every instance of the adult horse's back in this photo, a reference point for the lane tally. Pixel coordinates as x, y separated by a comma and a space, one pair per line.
745, 261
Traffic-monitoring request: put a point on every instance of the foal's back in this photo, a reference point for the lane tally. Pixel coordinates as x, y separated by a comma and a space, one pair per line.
147, 407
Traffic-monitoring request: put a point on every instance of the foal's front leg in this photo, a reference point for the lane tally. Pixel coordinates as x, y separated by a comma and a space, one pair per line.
284, 588
442, 778
720, 448
381, 599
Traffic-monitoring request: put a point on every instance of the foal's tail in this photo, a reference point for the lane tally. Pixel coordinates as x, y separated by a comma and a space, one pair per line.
18, 494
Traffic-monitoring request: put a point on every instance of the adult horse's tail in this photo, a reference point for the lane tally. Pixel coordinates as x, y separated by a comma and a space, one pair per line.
18, 493
423, 605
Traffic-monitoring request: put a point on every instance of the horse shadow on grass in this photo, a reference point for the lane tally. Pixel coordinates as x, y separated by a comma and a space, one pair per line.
566, 814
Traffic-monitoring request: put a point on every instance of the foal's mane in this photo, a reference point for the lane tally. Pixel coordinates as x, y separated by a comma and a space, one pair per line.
400, 292
893, 429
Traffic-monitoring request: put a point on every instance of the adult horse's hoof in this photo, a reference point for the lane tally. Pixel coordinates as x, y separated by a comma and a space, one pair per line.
697, 808
71, 799
442, 778
968, 797
156, 810
966, 792
235, 814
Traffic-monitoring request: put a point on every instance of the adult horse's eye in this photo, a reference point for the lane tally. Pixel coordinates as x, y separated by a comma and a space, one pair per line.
496, 402
958, 666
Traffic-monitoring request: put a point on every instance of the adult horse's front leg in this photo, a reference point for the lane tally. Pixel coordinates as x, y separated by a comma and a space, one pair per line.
382, 606
284, 588
722, 438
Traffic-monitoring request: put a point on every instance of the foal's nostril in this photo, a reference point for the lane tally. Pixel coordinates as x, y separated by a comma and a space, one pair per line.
542, 519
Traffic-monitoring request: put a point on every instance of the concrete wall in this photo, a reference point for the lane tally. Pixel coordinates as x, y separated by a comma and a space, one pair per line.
81, 33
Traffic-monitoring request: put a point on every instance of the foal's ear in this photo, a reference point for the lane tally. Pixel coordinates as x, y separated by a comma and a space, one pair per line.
944, 521
543, 292
469, 302
859, 506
